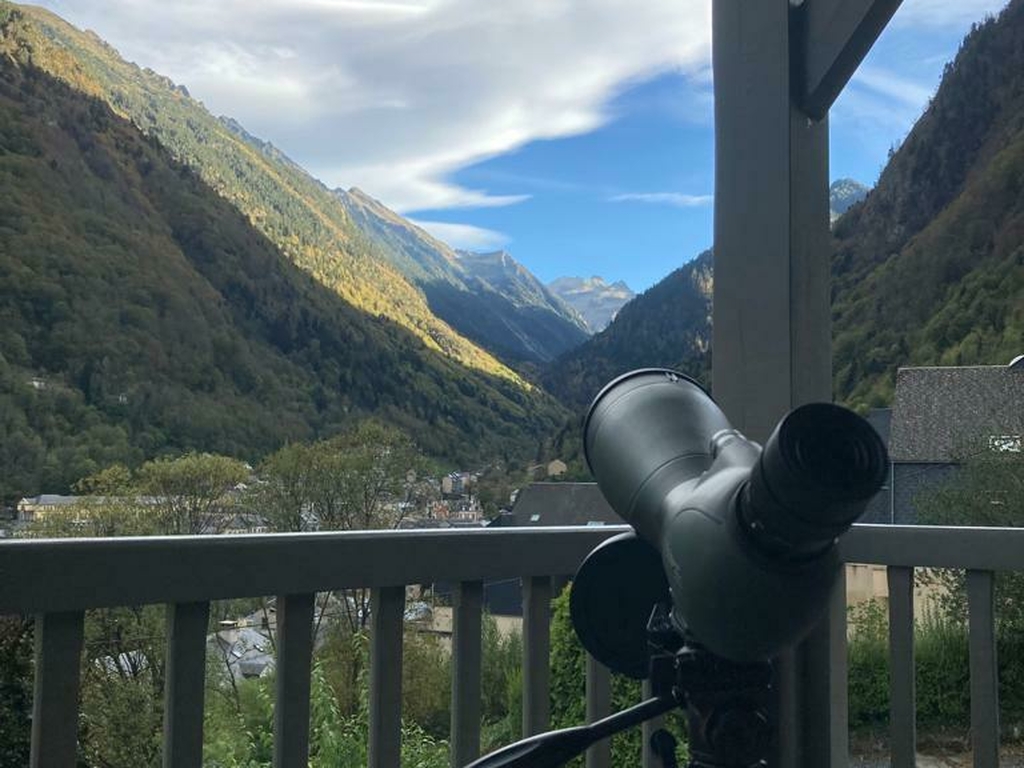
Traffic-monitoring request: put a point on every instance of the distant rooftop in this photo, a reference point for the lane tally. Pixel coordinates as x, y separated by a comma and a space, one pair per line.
563, 504
940, 412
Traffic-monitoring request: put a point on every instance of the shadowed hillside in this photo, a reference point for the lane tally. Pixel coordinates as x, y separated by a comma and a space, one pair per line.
141, 313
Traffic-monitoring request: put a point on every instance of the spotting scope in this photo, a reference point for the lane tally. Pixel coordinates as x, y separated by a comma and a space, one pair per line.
739, 539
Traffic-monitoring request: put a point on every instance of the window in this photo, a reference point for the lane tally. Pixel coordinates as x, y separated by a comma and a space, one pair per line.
1005, 443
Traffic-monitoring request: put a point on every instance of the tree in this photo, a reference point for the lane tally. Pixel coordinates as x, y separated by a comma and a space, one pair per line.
189, 492
988, 490
358, 480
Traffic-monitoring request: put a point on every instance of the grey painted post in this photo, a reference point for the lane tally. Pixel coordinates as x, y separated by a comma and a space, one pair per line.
186, 684
599, 704
771, 310
386, 607
984, 670
824, 690
466, 670
902, 704
58, 650
294, 655
536, 654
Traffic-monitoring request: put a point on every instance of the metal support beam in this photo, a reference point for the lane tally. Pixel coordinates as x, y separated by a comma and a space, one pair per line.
832, 38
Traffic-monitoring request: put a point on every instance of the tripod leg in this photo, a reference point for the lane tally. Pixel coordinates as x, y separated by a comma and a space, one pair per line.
663, 745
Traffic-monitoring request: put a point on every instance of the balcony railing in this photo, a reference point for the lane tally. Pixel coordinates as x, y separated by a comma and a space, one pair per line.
58, 580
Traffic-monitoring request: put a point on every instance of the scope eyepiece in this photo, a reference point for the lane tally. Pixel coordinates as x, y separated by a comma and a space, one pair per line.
814, 478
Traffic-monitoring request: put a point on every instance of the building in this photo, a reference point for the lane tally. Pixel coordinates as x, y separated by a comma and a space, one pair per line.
942, 415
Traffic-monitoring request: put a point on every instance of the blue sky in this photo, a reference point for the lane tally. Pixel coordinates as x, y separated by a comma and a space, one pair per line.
576, 134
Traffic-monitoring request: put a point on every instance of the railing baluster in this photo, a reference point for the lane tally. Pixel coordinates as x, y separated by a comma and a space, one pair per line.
984, 672
386, 607
902, 698
466, 664
536, 654
648, 758
599, 705
823, 686
185, 684
58, 652
291, 703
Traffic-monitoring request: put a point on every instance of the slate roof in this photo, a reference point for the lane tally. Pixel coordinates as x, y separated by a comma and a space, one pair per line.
563, 504
941, 412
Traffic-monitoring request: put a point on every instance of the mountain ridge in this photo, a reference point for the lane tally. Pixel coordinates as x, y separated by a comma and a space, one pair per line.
284, 202
144, 314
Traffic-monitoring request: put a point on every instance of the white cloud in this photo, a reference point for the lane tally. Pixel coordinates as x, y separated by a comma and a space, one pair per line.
676, 199
465, 236
395, 97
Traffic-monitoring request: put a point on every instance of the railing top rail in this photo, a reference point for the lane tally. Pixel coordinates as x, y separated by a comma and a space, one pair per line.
42, 575
976, 548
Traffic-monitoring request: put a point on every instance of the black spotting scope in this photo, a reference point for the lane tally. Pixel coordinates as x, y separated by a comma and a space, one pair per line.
743, 536
732, 560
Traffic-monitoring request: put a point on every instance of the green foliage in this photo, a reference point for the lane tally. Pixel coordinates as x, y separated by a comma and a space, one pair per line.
568, 690
942, 672
188, 493
15, 690
987, 490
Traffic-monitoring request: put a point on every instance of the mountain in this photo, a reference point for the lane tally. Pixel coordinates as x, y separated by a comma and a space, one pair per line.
141, 313
842, 194
284, 203
929, 269
500, 306
597, 301
668, 325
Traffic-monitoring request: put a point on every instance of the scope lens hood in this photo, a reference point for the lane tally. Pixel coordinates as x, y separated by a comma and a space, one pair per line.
613, 595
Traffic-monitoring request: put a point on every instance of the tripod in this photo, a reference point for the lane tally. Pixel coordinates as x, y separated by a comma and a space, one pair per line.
726, 707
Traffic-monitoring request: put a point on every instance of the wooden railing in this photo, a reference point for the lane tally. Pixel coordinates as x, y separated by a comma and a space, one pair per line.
981, 552
58, 580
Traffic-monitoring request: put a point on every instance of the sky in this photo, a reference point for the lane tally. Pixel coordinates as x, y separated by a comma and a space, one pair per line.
576, 134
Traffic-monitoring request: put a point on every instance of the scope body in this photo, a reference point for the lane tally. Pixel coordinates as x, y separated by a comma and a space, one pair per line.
745, 536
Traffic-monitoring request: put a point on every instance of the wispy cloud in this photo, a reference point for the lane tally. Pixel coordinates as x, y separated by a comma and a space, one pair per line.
465, 236
901, 90
676, 199
396, 97
944, 13
879, 99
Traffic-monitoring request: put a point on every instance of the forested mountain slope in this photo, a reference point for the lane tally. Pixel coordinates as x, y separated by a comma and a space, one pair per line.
292, 209
668, 325
496, 302
142, 314
929, 270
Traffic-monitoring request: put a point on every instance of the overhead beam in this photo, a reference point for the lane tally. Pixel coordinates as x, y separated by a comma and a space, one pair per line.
832, 37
